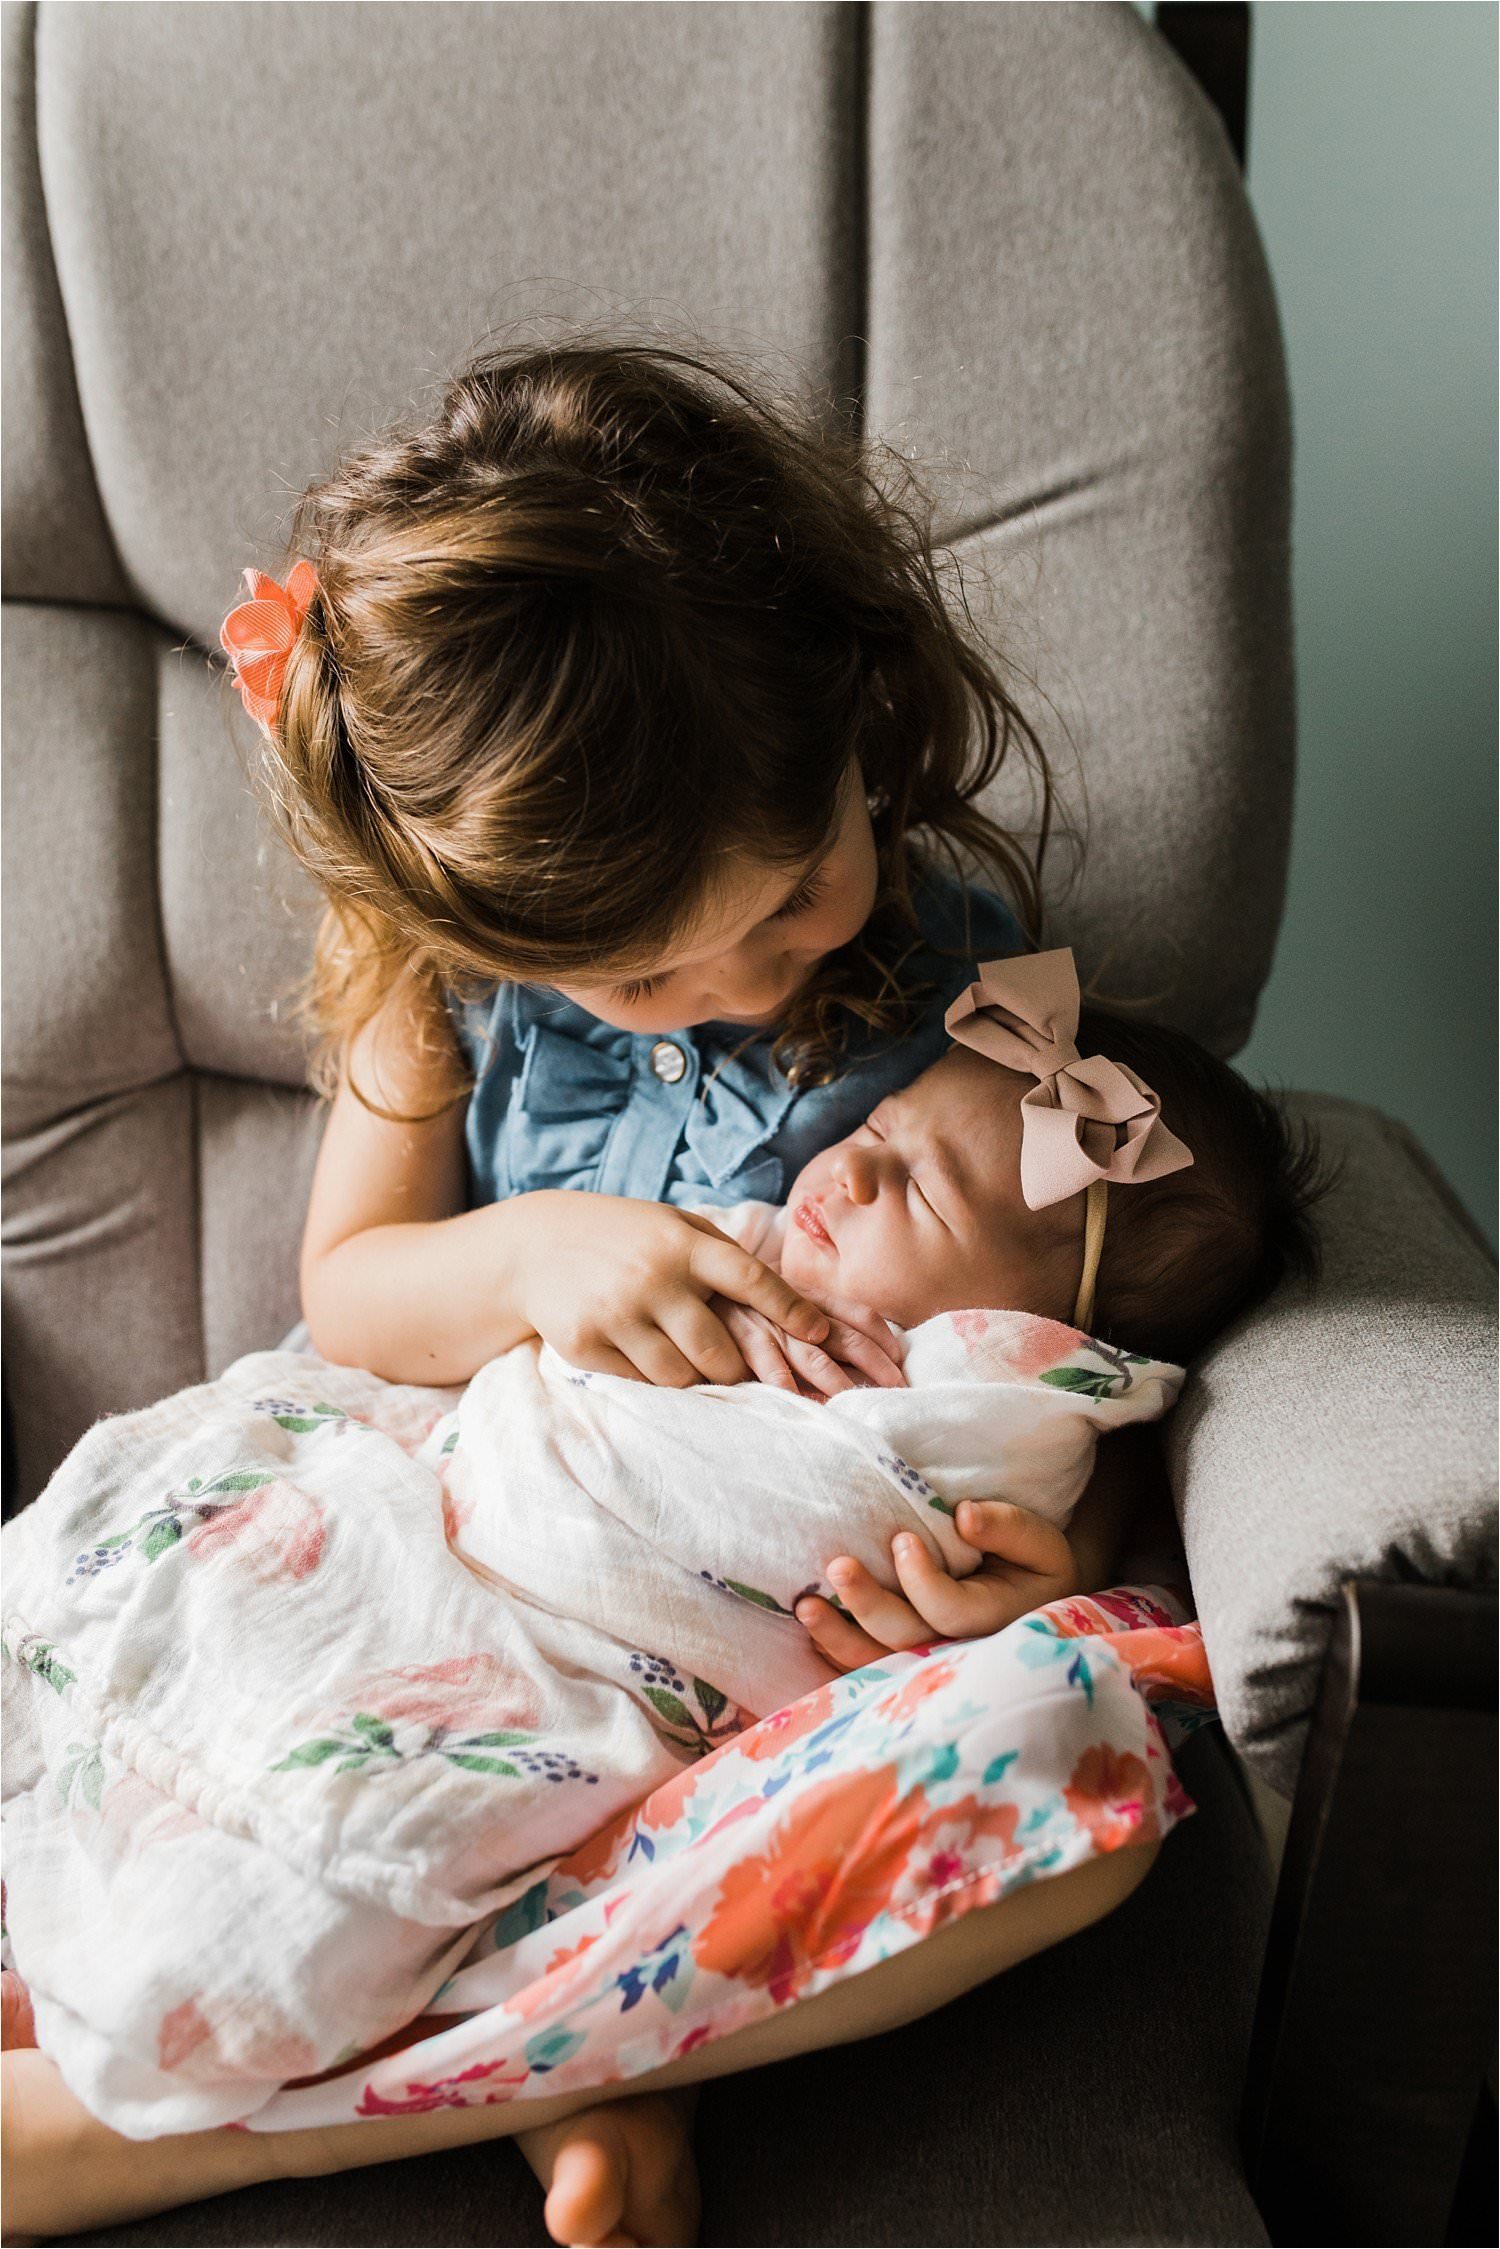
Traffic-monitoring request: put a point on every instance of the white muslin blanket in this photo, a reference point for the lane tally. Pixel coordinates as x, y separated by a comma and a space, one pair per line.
307, 1673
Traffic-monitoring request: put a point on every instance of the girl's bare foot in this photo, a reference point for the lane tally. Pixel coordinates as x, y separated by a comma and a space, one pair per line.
620, 2172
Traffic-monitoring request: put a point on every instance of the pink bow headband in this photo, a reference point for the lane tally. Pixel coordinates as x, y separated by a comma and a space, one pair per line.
1087, 1121
257, 637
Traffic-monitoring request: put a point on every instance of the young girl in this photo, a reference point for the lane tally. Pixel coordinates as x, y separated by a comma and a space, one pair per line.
621, 720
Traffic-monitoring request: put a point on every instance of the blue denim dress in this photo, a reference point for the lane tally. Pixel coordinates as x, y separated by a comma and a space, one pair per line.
697, 1116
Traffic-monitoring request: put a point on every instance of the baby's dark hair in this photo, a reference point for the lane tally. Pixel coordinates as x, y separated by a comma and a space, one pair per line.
1186, 1254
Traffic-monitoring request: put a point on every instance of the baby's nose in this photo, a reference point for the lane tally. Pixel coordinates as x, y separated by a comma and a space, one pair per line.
856, 1174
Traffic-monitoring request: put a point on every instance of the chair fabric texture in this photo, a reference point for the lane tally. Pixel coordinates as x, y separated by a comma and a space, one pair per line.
1344, 1430
1012, 241
1012, 237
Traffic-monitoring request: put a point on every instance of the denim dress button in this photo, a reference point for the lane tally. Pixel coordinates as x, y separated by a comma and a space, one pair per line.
668, 1062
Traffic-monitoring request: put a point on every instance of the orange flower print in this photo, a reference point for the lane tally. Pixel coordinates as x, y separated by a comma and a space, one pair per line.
556, 1984
1170, 1660
829, 1869
777, 1732
17, 2027
599, 1857
928, 1677
1110, 1795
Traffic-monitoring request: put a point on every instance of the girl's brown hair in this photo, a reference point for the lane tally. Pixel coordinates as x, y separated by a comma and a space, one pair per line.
610, 616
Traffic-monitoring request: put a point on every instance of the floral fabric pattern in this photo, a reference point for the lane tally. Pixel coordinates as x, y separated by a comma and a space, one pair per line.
830, 1836
348, 1665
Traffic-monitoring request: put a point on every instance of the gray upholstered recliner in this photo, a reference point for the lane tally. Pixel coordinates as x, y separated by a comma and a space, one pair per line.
1011, 238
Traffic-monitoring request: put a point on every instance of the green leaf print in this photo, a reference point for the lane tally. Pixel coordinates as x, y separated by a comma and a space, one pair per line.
41, 1658
709, 1699
84, 1769
753, 1593
498, 1741
237, 1480
674, 1711
161, 1538
311, 1753
375, 1730
1081, 1381
942, 1505
481, 1764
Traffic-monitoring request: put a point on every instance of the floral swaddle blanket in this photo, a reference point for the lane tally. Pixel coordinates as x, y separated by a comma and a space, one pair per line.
308, 1674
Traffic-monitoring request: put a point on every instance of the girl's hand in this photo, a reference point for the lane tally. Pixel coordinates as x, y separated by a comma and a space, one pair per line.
859, 1350
624, 1287
1027, 1561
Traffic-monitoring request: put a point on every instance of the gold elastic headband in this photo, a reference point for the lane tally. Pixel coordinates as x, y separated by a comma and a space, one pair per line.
1096, 1210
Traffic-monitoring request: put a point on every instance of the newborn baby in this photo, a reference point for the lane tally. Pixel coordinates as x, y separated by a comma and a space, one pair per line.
336, 1663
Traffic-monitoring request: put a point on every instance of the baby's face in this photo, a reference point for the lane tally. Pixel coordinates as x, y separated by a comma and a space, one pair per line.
920, 1210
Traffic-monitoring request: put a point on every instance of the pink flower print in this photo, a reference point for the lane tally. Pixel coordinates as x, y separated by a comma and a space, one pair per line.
181, 2033
1014, 1343
1034, 1344
464, 1694
1130, 1610
135, 1815
275, 1531
448, 2092
237, 2038
457, 1510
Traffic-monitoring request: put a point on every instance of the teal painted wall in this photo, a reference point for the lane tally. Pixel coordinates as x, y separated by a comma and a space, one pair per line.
1372, 167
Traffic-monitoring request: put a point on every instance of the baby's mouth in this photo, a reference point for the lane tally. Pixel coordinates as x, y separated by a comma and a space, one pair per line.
809, 1219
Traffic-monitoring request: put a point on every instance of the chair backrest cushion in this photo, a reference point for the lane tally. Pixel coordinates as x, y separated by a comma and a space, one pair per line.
235, 236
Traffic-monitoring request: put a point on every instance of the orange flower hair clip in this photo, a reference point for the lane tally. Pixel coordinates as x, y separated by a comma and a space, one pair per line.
257, 637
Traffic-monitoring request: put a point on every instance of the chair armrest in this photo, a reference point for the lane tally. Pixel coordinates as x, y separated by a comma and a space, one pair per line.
1376, 2019
1341, 1432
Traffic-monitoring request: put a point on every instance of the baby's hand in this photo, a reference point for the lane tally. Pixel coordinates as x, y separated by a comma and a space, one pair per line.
1027, 1561
640, 1289
860, 1350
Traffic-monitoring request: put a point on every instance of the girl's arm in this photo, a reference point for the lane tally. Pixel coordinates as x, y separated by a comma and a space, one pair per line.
399, 1278
389, 1256
1028, 1561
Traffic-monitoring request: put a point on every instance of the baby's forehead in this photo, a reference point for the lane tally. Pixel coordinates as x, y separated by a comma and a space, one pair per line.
966, 1104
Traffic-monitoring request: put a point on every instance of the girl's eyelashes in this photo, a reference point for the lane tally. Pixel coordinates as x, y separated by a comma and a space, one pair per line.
641, 988
802, 901
804, 897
